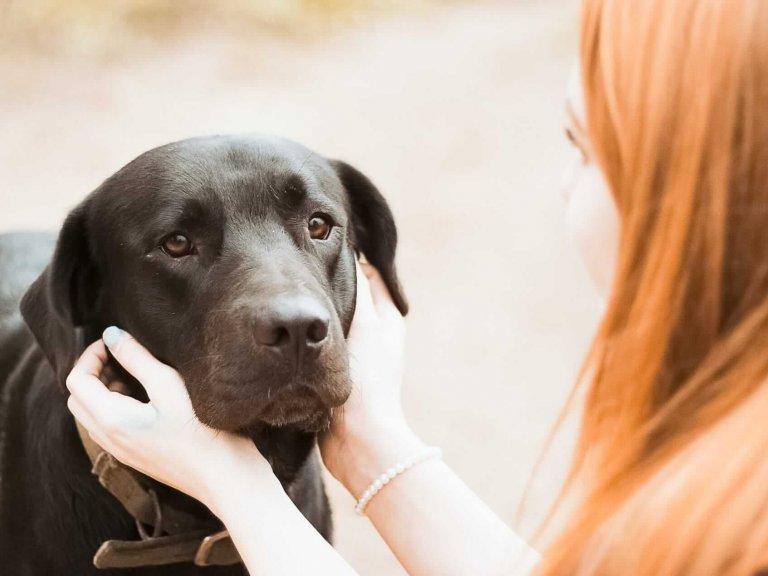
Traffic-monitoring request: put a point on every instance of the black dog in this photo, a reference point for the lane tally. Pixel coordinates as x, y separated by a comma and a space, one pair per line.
233, 260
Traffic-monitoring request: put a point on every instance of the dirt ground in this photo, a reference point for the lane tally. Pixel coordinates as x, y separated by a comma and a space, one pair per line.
456, 113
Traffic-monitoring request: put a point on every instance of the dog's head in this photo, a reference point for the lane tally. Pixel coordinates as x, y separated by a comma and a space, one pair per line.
233, 260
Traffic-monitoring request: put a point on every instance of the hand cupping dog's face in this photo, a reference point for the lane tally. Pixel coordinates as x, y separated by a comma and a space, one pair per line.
162, 438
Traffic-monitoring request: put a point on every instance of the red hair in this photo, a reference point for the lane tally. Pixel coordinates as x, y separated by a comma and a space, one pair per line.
672, 459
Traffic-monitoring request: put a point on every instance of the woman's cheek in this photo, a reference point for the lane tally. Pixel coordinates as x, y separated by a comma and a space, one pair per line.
571, 174
593, 225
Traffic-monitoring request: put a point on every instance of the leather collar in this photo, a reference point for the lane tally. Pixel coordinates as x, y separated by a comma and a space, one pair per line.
175, 534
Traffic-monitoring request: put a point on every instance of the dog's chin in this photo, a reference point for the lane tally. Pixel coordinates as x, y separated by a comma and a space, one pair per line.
312, 417
298, 406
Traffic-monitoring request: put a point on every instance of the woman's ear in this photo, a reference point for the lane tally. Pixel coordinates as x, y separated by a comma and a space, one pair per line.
373, 227
64, 296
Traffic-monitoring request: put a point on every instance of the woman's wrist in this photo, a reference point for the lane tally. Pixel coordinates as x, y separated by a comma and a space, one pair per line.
248, 487
362, 453
240, 471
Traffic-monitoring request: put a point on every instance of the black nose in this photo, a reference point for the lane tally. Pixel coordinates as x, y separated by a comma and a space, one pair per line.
292, 325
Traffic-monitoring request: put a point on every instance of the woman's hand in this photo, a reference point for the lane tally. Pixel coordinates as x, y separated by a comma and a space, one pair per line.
370, 433
376, 344
162, 438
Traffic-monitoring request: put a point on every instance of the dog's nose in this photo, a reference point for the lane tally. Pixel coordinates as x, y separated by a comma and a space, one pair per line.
292, 325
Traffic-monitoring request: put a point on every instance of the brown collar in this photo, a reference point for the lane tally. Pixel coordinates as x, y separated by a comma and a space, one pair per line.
174, 536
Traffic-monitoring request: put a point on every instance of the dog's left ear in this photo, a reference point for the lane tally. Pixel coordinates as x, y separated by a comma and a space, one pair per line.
373, 227
57, 303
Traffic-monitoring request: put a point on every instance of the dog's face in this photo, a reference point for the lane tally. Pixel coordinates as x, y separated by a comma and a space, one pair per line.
232, 260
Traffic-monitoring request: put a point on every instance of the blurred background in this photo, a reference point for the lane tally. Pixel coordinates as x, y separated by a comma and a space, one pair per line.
454, 108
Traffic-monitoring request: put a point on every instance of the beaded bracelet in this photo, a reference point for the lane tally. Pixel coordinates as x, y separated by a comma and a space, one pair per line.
391, 473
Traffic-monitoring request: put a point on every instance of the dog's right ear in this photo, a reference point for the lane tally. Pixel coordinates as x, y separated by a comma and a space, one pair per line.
373, 227
57, 303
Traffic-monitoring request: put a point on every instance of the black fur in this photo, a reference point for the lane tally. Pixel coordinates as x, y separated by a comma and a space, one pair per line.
245, 202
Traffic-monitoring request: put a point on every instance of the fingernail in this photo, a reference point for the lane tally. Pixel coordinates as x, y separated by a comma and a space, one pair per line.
111, 336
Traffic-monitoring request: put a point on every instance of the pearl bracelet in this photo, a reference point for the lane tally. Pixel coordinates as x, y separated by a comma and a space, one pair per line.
392, 473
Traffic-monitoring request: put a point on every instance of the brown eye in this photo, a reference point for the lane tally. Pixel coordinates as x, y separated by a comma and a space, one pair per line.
319, 227
177, 245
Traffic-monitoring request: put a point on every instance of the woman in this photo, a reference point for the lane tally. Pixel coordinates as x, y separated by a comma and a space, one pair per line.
669, 205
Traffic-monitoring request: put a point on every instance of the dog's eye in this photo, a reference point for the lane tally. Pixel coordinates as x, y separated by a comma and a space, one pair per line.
319, 227
177, 245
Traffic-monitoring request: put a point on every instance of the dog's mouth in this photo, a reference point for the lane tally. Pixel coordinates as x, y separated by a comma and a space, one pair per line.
248, 403
301, 408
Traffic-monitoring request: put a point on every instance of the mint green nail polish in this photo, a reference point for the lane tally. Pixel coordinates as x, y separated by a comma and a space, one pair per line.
111, 336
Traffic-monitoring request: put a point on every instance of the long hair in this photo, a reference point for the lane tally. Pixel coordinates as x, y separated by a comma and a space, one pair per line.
672, 460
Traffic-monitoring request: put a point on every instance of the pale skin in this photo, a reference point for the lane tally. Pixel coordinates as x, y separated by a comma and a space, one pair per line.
425, 515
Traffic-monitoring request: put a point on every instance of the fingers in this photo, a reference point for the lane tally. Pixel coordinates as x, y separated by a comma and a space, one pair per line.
90, 400
83, 381
156, 377
107, 424
364, 307
380, 296
98, 408
92, 360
